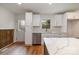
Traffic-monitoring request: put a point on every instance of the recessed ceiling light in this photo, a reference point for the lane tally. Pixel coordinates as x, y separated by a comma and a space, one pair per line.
19, 3
50, 3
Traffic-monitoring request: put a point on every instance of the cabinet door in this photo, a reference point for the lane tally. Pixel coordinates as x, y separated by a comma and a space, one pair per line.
64, 22
28, 18
58, 20
36, 38
28, 35
38, 41
36, 20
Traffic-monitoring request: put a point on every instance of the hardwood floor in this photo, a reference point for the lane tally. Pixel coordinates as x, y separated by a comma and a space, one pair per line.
35, 50
21, 49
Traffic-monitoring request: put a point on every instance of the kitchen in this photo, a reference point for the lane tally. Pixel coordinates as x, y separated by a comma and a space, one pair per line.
59, 28
55, 30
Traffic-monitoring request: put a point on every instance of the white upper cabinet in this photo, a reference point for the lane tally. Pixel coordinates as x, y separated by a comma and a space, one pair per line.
28, 17
72, 15
36, 20
64, 24
58, 20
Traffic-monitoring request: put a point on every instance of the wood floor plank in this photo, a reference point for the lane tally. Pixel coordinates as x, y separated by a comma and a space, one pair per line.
35, 50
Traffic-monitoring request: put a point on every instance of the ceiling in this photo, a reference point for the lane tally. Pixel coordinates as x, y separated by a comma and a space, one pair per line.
42, 8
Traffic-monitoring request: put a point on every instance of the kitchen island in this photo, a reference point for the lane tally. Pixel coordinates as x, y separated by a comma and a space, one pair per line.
61, 46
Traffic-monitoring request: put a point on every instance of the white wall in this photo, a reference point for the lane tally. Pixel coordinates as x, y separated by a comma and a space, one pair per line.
7, 19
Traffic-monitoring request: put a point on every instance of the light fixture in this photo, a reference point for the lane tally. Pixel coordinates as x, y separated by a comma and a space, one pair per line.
22, 22
50, 3
19, 3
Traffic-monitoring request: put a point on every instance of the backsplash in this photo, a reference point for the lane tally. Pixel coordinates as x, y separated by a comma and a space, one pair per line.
52, 30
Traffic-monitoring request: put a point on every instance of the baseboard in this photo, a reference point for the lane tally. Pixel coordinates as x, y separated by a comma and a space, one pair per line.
19, 42
28, 45
36, 44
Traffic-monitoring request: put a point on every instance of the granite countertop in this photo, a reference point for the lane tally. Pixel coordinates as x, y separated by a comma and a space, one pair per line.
62, 46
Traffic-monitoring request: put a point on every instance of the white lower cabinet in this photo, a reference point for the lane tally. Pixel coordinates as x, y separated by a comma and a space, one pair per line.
28, 35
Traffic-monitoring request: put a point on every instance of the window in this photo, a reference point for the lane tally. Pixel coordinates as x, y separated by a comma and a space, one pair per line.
46, 24
21, 25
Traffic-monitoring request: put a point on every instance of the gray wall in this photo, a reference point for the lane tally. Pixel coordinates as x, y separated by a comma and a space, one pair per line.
7, 19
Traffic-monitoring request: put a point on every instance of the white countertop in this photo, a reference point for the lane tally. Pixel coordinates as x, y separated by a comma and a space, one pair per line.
62, 46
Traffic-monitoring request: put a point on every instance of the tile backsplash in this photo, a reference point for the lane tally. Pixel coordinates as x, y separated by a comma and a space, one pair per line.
52, 30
